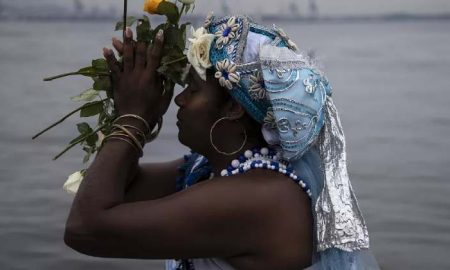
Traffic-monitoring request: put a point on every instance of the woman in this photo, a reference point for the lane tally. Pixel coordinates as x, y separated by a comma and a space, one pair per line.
266, 185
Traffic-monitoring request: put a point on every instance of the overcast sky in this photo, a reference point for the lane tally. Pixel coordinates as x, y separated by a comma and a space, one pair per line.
326, 7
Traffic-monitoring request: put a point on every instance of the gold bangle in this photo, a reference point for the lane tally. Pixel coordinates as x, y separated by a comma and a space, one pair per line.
135, 117
141, 136
138, 131
122, 139
138, 144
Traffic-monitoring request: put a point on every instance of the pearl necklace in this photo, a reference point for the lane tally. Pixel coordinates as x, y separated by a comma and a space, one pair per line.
263, 158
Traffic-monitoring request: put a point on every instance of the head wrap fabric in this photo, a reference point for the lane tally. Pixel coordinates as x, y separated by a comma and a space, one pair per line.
291, 98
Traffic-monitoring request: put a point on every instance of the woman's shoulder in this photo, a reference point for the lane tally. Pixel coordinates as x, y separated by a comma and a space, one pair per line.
286, 211
272, 183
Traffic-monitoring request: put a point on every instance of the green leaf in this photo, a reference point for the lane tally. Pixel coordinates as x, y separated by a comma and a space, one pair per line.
91, 109
88, 95
84, 128
102, 83
175, 36
143, 30
88, 71
92, 140
170, 10
100, 65
130, 21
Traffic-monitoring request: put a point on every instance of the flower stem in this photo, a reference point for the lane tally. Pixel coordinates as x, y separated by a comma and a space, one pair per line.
181, 13
125, 11
75, 73
175, 60
78, 141
65, 117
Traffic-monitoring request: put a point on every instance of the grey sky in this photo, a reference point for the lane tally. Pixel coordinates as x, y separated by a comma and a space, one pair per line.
326, 7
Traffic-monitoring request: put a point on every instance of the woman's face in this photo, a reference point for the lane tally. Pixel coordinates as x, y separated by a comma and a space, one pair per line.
200, 104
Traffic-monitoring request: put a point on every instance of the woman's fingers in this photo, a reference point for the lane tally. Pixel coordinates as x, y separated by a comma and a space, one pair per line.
141, 51
154, 53
118, 45
113, 64
128, 51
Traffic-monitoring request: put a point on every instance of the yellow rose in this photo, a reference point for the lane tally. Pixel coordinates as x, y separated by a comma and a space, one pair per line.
151, 6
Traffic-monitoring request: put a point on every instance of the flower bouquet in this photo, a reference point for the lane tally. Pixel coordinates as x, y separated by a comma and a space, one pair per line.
98, 100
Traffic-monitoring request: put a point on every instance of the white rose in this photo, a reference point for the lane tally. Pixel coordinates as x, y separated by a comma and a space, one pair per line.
187, 2
198, 53
73, 182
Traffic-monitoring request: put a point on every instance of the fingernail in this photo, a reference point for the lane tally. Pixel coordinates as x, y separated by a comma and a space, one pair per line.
107, 51
128, 33
160, 34
114, 39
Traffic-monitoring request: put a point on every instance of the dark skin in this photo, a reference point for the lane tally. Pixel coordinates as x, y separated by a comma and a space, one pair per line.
123, 209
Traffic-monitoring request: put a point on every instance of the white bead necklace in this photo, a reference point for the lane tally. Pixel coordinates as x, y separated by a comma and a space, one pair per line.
263, 158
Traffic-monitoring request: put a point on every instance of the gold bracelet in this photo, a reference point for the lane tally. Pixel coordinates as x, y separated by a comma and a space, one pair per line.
138, 131
120, 132
135, 117
125, 139
136, 141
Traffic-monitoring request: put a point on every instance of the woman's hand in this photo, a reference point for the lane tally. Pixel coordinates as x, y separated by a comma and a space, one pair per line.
138, 88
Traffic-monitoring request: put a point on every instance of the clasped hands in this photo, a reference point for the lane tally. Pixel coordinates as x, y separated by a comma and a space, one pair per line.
137, 86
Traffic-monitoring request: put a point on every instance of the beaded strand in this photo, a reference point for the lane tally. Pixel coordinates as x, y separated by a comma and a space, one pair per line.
263, 158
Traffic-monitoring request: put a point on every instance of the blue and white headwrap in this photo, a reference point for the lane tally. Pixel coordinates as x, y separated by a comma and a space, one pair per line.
291, 98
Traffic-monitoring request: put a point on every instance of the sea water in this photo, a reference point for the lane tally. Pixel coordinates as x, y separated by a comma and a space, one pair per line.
391, 86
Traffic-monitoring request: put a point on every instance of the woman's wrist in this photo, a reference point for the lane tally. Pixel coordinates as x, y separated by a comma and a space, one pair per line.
135, 126
147, 130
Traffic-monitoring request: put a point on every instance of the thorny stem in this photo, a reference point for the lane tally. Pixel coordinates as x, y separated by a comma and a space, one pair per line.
175, 60
75, 73
67, 116
78, 141
181, 13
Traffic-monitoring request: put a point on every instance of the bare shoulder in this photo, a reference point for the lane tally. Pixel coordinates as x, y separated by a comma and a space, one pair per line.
286, 224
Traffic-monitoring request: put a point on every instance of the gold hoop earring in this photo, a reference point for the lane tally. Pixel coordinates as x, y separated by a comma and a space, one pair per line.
215, 147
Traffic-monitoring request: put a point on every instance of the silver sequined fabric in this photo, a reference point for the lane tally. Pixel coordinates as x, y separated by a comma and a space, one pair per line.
340, 223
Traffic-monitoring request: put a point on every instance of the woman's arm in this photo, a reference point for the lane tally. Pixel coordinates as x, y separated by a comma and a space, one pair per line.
152, 181
137, 90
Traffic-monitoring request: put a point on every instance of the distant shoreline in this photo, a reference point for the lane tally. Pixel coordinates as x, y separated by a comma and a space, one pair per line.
265, 17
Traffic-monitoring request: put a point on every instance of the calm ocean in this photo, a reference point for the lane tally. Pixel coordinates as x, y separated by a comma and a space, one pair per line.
391, 85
